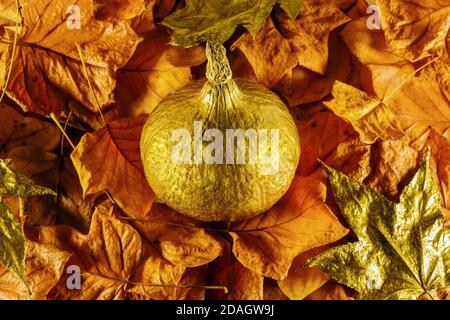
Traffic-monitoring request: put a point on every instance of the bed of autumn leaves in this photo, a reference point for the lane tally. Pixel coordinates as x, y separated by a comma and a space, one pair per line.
368, 102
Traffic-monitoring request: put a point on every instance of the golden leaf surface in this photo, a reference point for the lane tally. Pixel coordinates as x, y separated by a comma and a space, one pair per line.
403, 249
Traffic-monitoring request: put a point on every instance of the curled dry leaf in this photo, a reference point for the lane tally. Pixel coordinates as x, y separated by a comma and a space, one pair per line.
415, 29
44, 265
180, 240
300, 221
47, 69
403, 98
300, 85
107, 256
109, 160
304, 41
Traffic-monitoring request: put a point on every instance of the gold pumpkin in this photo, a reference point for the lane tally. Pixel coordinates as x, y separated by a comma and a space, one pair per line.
242, 152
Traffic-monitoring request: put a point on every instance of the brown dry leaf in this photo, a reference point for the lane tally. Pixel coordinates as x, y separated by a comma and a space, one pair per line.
241, 283
353, 158
109, 160
396, 161
157, 279
369, 46
329, 291
304, 41
31, 144
190, 287
302, 281
300, 221
414, 104
321, 131
272, 291
155, 70
415, 29
302, 86
108, 257
397, 100
47, 69
44, 266
180, 240
118, 10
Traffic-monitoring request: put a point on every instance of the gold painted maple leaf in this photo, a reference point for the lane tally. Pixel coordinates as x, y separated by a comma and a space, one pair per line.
403, 249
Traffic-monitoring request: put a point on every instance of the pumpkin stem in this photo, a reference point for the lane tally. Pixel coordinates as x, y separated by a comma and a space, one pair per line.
218, 69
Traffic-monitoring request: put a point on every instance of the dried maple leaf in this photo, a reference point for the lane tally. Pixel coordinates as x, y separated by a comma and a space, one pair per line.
47, 69
400, 104
398, 98
300, 85
275, 51
44, 266
108, 257
300, 221
216, 20
415, 29
403, 249
109, 160
155, 70
181, 240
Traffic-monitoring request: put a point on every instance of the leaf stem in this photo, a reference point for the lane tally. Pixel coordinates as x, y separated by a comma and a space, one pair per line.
52, 115
91, 89
393, 92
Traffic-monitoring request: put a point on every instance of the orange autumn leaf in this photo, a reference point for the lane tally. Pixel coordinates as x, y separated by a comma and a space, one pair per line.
180, 240
109, 160
155, 70
301, 41
330, 291
110, 257
415, 29
300, 221
321, 132
241, 283
302, 281
47, 69
300, 85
